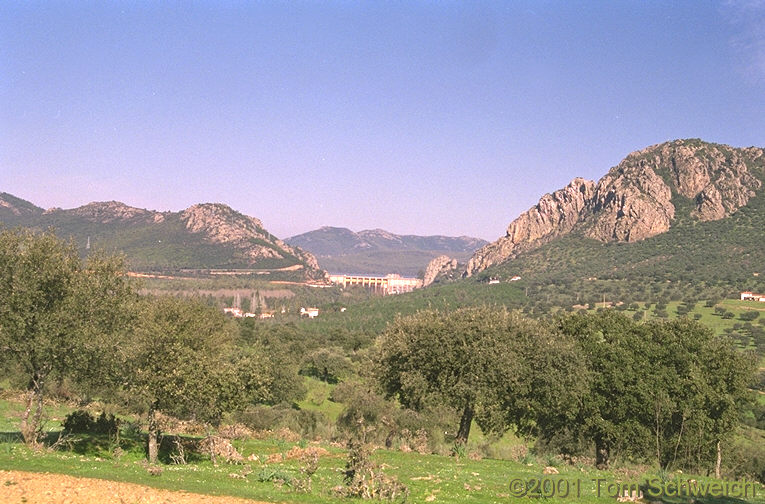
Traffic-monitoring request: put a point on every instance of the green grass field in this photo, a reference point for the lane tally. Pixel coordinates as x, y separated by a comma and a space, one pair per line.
264, 475
447, 478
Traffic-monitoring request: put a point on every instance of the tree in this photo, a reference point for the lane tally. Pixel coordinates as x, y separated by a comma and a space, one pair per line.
491, 365
57, 314
606, 417
704, 382
180, 361
664, 390
327, 364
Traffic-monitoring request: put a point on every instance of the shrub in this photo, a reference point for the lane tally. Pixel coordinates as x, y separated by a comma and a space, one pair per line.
328, 365
309, 424
749, 315
82, 422
362, 477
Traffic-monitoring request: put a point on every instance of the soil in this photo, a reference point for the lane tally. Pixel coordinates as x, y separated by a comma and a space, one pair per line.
17, 487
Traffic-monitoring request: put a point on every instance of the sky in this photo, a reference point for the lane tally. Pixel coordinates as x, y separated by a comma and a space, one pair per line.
418, 117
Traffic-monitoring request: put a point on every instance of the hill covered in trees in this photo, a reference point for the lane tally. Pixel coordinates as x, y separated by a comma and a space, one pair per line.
204, 236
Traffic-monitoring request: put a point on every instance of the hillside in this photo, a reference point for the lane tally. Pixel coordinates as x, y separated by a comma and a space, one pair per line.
683, 186
16, 211
378, 251
204, 236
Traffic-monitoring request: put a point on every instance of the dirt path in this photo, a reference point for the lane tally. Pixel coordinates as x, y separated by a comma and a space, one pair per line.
18, 487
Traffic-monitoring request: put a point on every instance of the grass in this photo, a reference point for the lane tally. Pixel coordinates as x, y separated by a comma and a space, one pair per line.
450, 480
709, 318
428, 477
317, 399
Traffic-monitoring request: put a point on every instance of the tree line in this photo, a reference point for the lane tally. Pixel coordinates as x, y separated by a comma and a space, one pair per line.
669, 392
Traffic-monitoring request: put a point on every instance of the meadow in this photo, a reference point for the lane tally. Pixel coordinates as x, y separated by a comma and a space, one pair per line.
272, 465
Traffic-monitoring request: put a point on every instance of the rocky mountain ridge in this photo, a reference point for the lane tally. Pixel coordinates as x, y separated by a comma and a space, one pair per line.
207, 235
637, 199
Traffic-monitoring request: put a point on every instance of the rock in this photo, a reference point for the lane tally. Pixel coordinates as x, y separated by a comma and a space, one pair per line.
629, 204
111, 211
555, 214
441, 265
221, 224
636, 199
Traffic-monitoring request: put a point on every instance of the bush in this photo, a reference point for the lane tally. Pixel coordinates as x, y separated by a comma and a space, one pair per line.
82, 422
326, 364
749, 315
365, 479
309, 424
747, 457
361, 402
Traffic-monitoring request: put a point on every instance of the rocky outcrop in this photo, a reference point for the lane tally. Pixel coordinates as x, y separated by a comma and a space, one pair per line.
10, 205
440, 266
554, 215
629, 205
636, 199
720, 179
221, 224
109, 211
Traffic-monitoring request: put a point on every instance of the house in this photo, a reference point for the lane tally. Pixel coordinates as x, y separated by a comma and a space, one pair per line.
751, 296
515, 278
236, 312
309, 312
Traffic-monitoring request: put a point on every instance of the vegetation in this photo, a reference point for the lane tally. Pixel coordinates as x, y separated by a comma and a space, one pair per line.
57, 316
478, 391
669, 390
483, 362
180, 361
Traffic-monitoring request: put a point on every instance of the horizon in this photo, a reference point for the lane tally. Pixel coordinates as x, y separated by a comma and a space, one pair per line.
415, 118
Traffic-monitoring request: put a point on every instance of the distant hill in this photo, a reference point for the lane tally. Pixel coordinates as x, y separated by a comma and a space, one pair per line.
204, 236
16, 211
652, 191
377, 251
685, 211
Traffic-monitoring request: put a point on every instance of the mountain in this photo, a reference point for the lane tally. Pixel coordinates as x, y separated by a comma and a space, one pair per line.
377, 251
14, 211
204, 236
683, 183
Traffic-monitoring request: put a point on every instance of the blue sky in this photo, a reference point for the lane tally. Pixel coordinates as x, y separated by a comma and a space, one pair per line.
416, 117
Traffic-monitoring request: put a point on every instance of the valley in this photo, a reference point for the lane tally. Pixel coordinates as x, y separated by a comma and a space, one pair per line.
642, 260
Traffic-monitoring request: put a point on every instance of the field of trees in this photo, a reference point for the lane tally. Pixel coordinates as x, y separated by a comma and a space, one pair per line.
448, 394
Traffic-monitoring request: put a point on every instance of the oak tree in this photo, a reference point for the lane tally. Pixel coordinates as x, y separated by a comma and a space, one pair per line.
492, 365
58, 314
